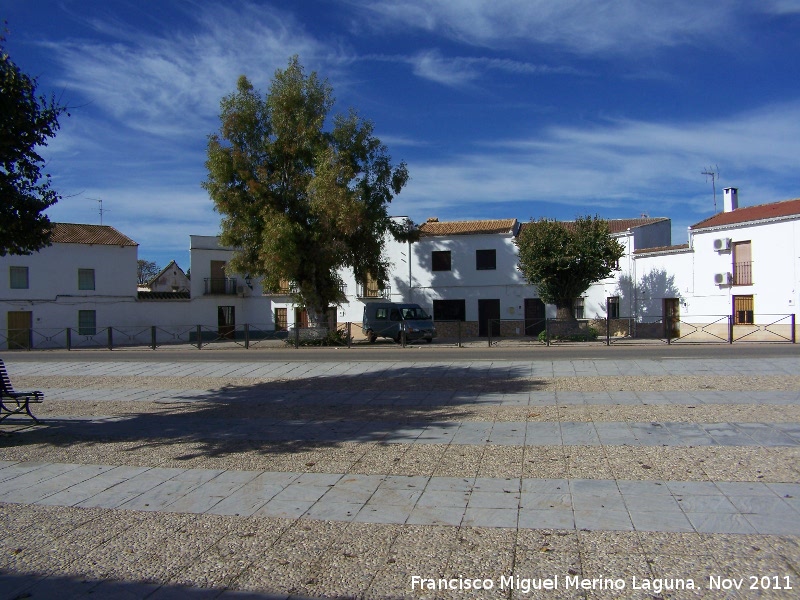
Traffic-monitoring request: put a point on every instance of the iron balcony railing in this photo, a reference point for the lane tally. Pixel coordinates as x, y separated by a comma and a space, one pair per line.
743, 273
219, 285
372, 290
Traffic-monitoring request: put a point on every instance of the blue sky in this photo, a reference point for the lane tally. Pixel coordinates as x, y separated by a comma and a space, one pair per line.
504, 108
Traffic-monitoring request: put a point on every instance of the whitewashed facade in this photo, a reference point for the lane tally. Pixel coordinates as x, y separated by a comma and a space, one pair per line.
85, 281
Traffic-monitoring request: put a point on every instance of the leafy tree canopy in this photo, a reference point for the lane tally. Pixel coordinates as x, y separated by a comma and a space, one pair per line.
299, 202
26, 123
562, 259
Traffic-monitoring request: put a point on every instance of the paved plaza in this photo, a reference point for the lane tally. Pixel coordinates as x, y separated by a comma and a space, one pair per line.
673, 478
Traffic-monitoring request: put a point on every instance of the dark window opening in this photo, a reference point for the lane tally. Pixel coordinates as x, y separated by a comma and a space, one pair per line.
449, 310
440, 260
486, 260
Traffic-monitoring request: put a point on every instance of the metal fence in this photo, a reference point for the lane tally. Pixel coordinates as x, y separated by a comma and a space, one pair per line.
719, 329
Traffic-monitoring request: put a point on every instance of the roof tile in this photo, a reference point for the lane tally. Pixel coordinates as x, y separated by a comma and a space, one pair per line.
77, 233
786, 208
433, 228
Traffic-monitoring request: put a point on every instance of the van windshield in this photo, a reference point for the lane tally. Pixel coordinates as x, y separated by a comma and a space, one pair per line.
415, 314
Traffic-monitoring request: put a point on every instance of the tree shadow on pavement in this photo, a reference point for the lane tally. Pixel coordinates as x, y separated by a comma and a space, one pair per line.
395, 405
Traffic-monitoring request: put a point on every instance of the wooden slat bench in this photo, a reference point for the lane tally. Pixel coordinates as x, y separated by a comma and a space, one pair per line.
12, 402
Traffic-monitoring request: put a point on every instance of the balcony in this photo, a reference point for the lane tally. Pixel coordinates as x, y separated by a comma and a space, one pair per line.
219, 286
284, 289
371, 290
743, 273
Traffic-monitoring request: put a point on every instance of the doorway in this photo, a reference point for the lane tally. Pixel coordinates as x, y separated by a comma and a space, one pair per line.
489, 318
672, 318
226, 321
534, 316
20, 326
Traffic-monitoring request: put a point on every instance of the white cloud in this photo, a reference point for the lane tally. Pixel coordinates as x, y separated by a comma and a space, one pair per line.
635, 165
168, 86
459, 71
580, 26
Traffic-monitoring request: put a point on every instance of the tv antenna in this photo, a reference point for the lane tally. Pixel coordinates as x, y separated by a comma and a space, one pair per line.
714, 174
101, 210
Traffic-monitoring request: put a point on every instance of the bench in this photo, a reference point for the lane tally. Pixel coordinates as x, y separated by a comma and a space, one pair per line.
12, 402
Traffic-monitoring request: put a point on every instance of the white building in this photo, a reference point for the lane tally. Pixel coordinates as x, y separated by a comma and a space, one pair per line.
170, 279
85, 281
742, 264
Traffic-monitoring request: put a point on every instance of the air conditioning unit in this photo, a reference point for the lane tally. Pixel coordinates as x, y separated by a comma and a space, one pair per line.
243, 290
723, 278
722, 244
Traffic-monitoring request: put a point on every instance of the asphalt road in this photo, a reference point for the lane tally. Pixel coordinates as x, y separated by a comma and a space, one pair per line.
414, 352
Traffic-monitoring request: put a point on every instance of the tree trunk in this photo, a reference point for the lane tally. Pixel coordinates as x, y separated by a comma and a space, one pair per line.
317, 317
565, 311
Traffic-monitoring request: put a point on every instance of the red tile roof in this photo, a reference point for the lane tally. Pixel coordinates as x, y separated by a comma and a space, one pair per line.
431, 228
76, 233
621, 225
746, 214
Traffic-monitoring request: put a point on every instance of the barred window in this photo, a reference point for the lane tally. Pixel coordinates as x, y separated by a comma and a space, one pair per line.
87, 322
18, 278
743, 313
85, 279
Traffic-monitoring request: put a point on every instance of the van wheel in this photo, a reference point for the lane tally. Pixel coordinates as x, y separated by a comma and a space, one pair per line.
371, 336
429, 340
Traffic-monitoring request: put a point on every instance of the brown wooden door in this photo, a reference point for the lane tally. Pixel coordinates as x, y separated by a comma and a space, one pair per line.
20, 324
217, 282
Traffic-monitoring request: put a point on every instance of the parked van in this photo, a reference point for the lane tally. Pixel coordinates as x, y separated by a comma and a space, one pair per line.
389, 319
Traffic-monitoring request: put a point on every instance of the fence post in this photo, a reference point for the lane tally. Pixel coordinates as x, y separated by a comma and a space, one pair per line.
110, 338
403, 337
246, 336
794, 341
489, 331
668, 325
608, 322
349, 334
69, 338
296, 336
730, 329
547, 331
199, 337
458, 323
153, 337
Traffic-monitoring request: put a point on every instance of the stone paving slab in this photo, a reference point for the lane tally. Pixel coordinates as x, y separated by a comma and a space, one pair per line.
185, 517
596, 504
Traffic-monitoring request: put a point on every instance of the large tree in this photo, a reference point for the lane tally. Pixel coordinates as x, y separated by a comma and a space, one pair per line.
562, 259
299, 202
26, 123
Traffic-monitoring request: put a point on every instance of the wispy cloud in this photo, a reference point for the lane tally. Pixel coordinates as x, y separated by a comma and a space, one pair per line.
169, 86
633, 165
459, 71
581, 26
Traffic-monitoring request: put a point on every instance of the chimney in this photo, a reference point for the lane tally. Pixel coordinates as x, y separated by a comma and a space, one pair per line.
433, 219
731, 199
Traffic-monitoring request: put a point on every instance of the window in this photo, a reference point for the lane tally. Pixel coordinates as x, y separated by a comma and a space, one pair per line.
743, 310
449, 310
85, 279
87, 322
18, 277
613, 307
579, 306
742, 264
486, 260
440, 260
281, 319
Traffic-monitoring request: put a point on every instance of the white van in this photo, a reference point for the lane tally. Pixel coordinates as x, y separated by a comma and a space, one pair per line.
390, 319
